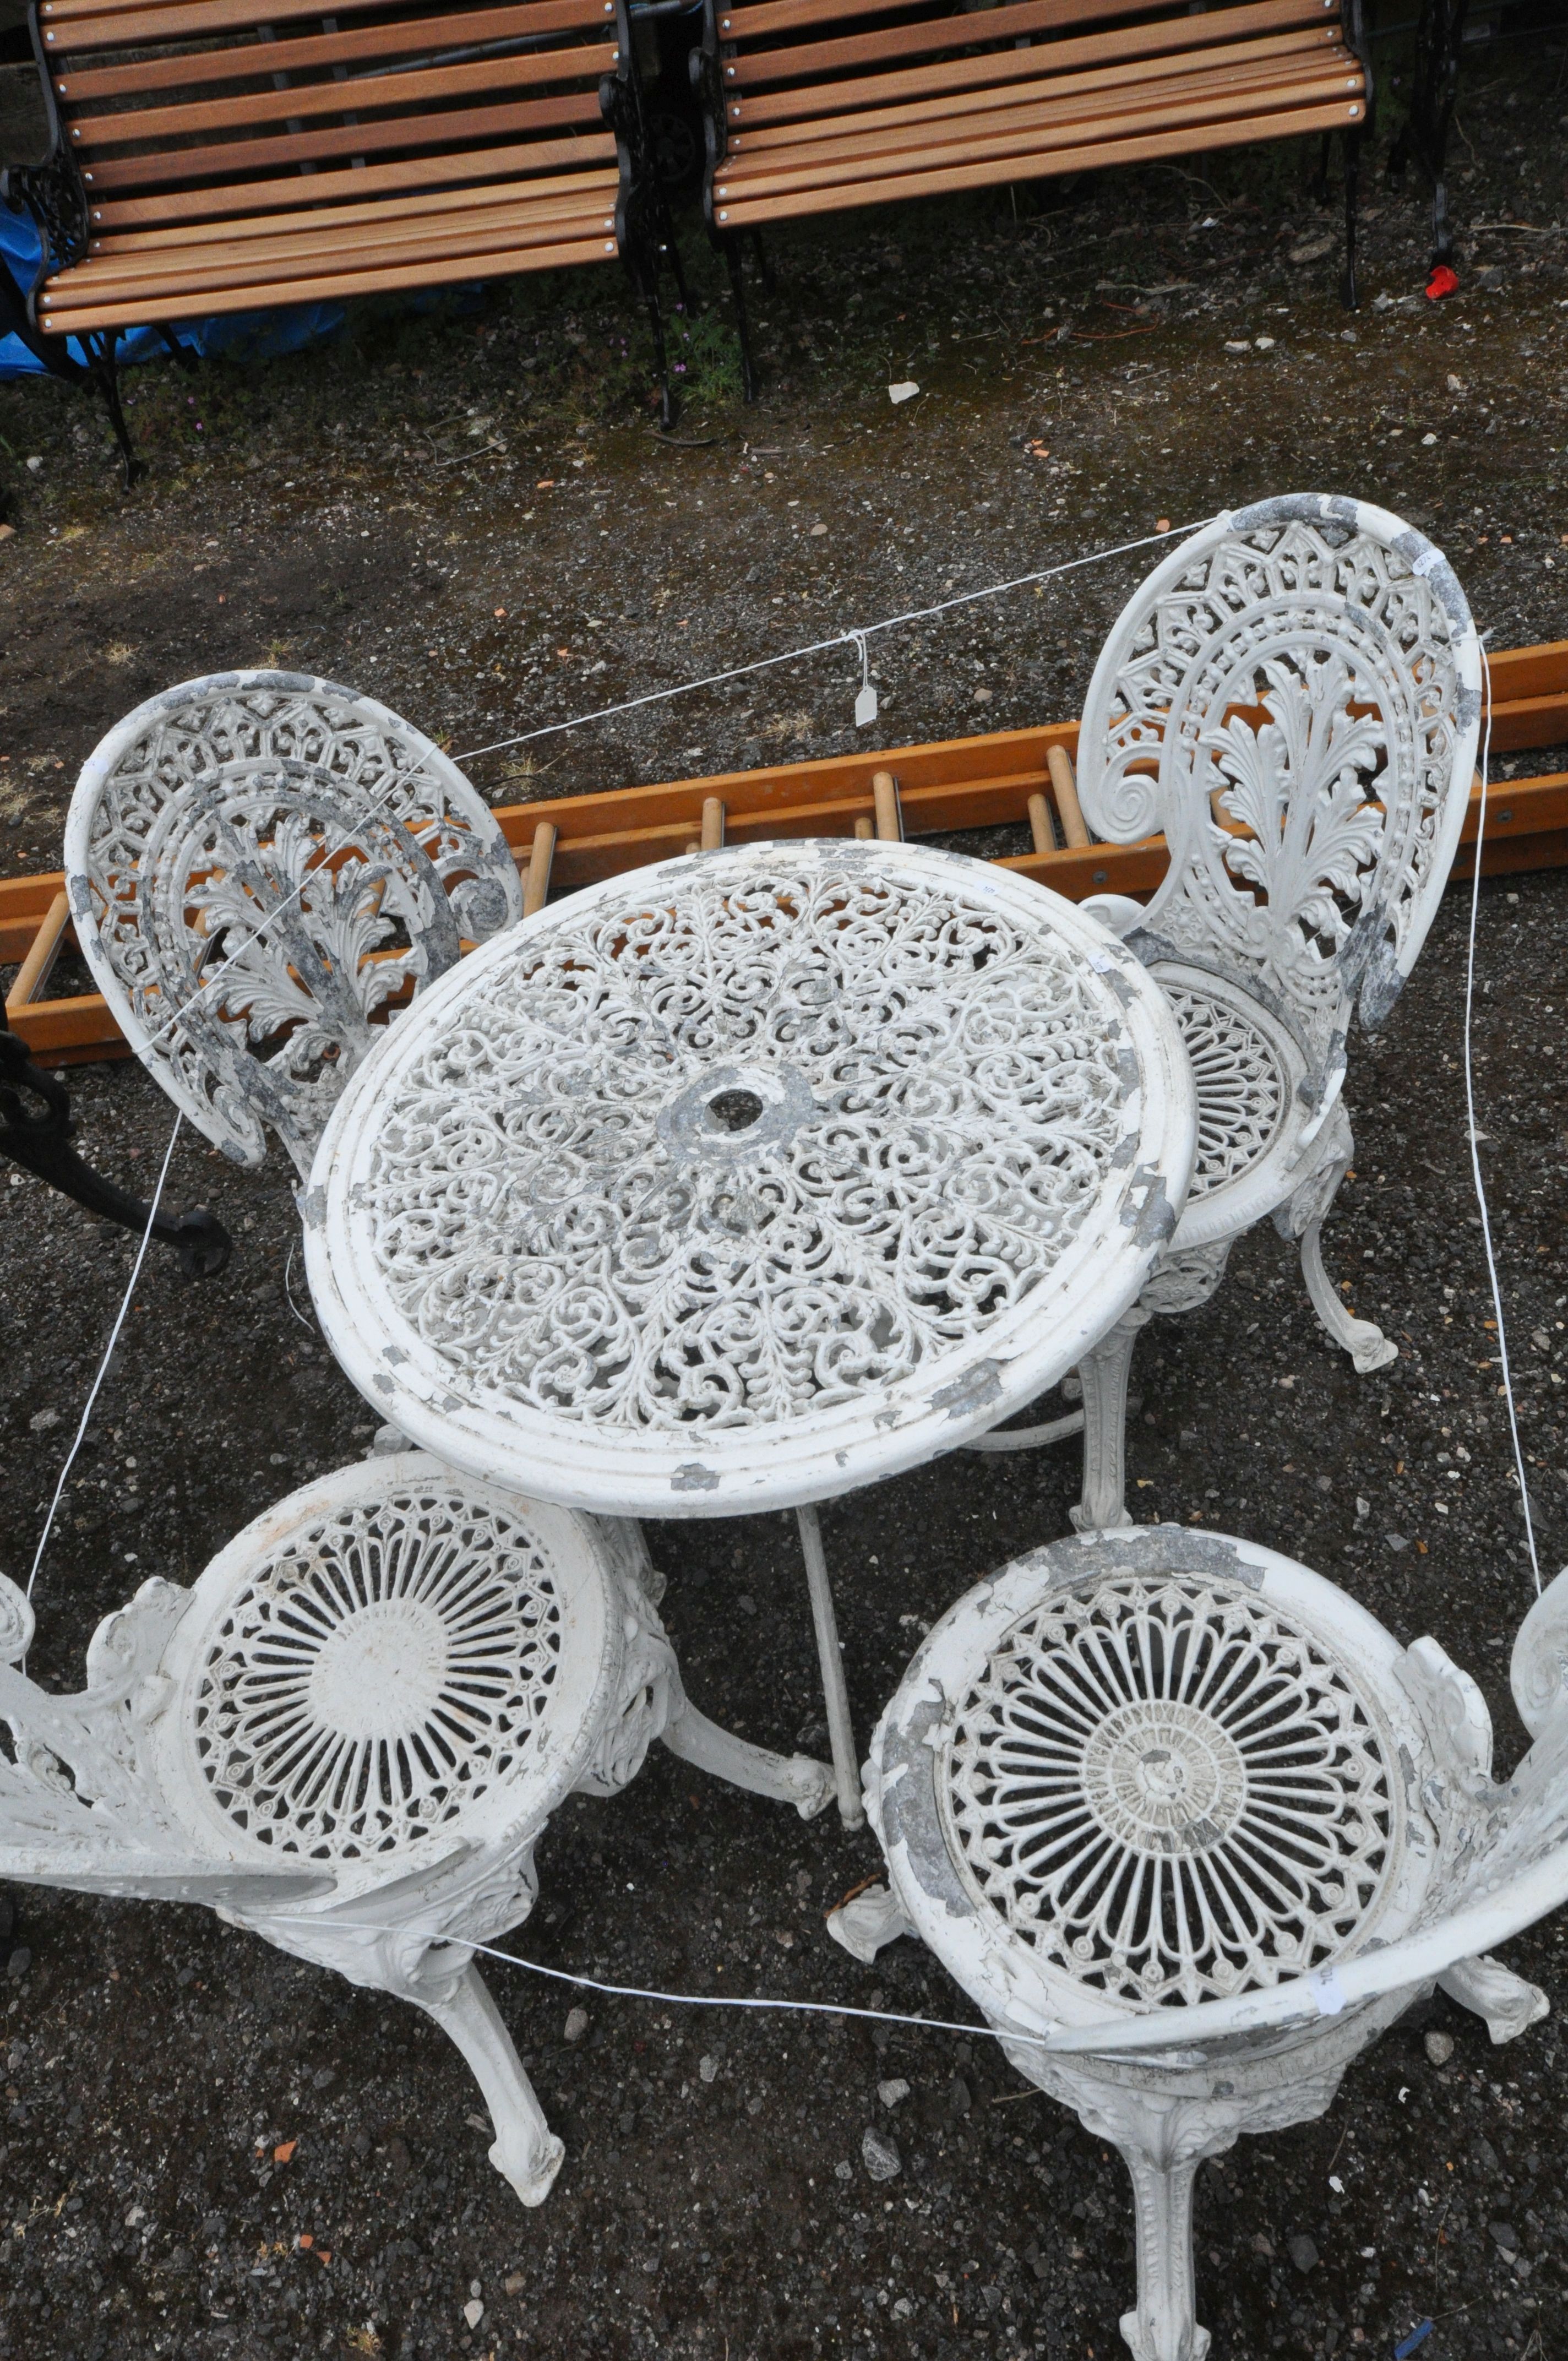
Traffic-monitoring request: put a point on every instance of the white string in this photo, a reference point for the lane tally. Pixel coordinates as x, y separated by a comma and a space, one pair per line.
1475, 1142
850, 638
108, 1357
657, 696
677, 2000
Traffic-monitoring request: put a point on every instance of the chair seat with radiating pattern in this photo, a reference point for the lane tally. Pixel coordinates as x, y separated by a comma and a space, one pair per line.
1191, 1830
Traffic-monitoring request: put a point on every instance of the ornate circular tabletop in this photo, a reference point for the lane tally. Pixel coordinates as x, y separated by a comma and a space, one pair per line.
740, 1182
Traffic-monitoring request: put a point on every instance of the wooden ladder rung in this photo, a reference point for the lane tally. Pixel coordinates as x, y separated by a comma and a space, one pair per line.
884, 800
39, 965
1068, 810
536, 884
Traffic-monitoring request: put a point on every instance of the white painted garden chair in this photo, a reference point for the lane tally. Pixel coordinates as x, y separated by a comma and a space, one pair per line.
349, 1735
1191, 1830
1293, 699
304, 841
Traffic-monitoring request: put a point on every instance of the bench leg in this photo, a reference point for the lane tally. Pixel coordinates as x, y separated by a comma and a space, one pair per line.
764, 264
1320, 180
1348, 295
669, 251
182, 354
738, 289
101, 365
661, 360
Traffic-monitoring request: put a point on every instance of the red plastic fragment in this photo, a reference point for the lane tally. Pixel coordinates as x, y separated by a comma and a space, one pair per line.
1443, 281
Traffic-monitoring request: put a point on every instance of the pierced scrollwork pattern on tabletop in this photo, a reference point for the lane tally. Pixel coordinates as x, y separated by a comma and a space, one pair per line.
271, 860
1244, 1090
377, 1676
739, 1150
1173, 1791
1293, 699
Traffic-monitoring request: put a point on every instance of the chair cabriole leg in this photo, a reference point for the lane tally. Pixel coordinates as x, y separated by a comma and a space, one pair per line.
1104, 1373
1164, 2325
525, 2150
783, 1778
1362, 1339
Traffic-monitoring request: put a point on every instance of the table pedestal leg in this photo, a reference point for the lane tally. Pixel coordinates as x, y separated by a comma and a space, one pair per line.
835, 1694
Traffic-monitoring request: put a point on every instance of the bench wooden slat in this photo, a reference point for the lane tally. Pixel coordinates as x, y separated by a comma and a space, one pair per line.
746, 25
437, 87
1012, 132
469, 203
932, 36
315, 52
300, 239
80, 25
1041, 162
348, 139
1287, 57
1279, 19
151, 279
325, 288
215, 202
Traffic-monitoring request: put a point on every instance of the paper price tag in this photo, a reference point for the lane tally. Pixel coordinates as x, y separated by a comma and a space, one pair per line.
865, 707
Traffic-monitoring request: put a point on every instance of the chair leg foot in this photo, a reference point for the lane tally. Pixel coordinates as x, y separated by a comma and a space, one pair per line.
525, 2150
1488, 1990
784, 1778
1362, 1339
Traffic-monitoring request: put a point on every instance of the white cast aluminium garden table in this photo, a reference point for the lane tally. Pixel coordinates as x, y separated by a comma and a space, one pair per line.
737, 1182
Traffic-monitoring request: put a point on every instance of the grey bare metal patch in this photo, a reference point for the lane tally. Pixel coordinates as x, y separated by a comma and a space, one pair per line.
311, 1204
1146, 946
1128, 1072
692, 1476
974, 1390
912, 1764
1124, 1153
82, 897
1467, 705
1423, 557
1297, 507
1152, 1221
1154, 1550
393, 1353
1121, 984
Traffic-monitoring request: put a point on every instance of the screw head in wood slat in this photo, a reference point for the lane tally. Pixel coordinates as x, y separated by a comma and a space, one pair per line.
724, 217
730, 71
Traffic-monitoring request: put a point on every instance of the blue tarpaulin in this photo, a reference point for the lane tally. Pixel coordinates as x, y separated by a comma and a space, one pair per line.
244, 336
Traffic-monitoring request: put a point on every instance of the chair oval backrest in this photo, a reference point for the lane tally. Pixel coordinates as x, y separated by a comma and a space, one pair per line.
257, 863
1293, 699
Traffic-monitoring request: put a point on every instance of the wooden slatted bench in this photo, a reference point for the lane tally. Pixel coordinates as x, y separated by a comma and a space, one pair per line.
814, 106
220, 155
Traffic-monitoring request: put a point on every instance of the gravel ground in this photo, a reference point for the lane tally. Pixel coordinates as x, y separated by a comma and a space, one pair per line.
366, 512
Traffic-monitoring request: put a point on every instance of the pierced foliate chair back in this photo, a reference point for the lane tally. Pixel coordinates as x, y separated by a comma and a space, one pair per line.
258, 865
1293, 699
349, 1736
1191, 1830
